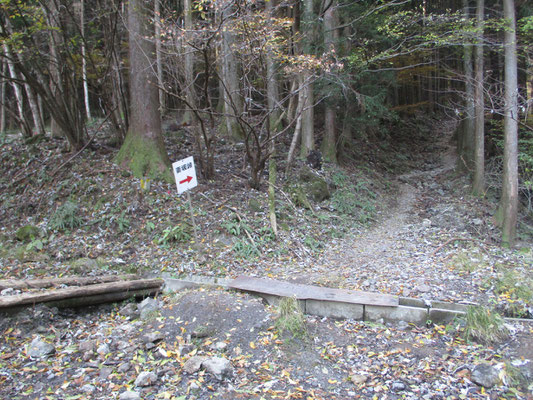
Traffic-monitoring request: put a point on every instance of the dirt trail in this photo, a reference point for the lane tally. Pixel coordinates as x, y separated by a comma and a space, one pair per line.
396, 256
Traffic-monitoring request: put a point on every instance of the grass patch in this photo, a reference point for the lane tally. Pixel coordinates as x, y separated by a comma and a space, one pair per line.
291, 319
466, 262
514, 291
484, 325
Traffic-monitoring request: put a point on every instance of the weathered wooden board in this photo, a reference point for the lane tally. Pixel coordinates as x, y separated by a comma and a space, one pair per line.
304, 292
78, 292
68, 281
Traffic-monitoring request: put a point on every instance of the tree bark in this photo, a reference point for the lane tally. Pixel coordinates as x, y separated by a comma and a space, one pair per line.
478, 188
308, 114
3, 87
233, 104
84, 61
509, 200
159, 55
329, 143
19, 99
143, 150
467, 136
188, 58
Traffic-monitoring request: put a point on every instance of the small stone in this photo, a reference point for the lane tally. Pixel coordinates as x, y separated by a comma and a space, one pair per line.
219, 367
426, 223
124, 367
193, 364
7, 292
153, 337
423, 288
105, 372
146, 378
358, 379
477, 221
220, 346
398, 386
88, 388
185, 349
402, 326
87, 345
103, 349
485, 375
39, 349
130, 310
129, 396
148, 307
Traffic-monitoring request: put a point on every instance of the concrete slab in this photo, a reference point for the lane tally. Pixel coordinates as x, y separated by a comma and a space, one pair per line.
309, 292
415, 315
442, 316
174, 285
334, 309
412, 302
450, 306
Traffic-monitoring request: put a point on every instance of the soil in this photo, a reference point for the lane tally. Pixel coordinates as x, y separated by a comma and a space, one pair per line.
425, 237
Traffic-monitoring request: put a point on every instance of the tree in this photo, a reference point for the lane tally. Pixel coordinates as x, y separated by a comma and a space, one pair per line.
308, 111
478, 187
509, 202
329, 143
143, 150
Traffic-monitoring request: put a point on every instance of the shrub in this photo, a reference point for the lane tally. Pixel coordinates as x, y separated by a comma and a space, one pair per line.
291, 318
65, 217
484, 325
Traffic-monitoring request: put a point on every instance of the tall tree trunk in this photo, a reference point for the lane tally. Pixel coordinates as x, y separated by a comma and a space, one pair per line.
467, 137
188, 59
478, 188
529, 86
19, 99
329, 143
159, 55
55, 74
34, 108
84, 61
3, 88
233, 105
509, 200
273, 124
143, 150
308, 114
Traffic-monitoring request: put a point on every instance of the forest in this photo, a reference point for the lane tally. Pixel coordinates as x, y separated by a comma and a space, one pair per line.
379, 146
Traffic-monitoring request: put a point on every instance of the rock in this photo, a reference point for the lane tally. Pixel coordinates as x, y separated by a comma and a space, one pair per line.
88, 389
124, 367
426, 223
146, 378
103, 349
185, 349
105, 372
254, 205
129, 396
398, 386
315, 185
193, 364
358, 379
219, 367
7, 292
402, 325
153, 337
28, 233
130, 310
423, 288
477, 221
148, 307
485, 375
220, 346
39, 349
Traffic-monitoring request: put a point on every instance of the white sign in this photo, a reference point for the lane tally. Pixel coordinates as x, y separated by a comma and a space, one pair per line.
185, 174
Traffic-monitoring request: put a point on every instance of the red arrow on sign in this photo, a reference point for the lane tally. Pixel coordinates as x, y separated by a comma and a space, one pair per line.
187, 180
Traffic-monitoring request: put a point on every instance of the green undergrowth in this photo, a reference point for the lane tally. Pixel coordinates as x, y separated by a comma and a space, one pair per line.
515, 292
291, 321
484, 325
